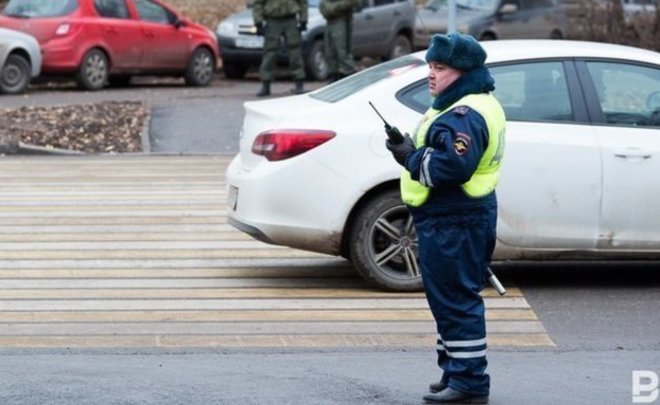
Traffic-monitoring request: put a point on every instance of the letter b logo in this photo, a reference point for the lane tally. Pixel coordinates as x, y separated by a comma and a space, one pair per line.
644, 386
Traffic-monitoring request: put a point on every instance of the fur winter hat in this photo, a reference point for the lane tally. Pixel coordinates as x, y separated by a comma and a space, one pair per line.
457, 50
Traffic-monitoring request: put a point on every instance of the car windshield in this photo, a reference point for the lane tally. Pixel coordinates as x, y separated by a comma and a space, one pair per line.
352, 84
40, 8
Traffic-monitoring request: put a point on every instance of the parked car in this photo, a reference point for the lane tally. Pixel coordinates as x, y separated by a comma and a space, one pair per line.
381, 29
583, 148
492, 19
101, 41
20, 61
632, 8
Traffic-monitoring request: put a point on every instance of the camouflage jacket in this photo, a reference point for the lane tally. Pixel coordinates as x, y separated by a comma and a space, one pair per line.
333, 9
265, 9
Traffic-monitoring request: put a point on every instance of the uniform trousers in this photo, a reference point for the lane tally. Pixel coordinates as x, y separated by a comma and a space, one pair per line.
455, 248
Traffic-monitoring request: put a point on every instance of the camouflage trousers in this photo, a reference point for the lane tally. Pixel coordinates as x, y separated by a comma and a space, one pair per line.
338, 47
277, 28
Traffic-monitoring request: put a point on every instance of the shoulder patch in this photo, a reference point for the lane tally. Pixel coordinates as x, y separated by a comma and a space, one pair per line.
461, 110
462, 143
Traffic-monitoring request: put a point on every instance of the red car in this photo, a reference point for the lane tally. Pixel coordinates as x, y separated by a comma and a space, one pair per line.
108, 41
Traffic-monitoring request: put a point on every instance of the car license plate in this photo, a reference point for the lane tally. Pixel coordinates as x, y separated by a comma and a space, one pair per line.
250, 42
232, 198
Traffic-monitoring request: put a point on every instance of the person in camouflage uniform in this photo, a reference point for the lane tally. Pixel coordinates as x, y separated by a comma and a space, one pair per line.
338, 37
275, 19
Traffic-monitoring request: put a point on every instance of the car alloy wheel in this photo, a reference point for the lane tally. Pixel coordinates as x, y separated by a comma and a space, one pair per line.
200, 68
15, 75
93, 71
383, 244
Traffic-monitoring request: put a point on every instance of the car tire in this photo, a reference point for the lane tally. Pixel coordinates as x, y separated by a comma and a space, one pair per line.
94, 70
315, 62
200, 68
15, 75
383, 244
401, 46
234, 70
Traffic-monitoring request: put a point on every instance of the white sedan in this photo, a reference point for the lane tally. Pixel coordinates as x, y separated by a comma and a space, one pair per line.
20, 60
579, 173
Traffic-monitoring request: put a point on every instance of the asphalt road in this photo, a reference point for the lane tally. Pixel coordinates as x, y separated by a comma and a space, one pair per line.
602, 318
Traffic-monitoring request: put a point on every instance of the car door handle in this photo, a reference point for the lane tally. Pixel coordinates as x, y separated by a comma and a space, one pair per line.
149, 34
396, 13
368, 17
632, 153
111, 30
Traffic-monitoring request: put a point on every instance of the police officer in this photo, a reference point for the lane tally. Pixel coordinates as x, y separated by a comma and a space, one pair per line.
275, 19
451, 169
338, 37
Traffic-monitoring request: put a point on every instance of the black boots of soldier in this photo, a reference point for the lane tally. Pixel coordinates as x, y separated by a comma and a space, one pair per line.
299, 89
265, 88
452, 396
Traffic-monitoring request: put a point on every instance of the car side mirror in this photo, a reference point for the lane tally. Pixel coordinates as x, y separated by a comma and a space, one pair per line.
176, 21
508, 9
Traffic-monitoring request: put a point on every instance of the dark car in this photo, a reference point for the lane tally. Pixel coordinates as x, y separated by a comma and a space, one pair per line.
381, 29
101, 41
493, 19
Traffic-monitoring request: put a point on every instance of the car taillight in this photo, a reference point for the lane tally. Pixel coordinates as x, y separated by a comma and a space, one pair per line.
283, 144
63, 29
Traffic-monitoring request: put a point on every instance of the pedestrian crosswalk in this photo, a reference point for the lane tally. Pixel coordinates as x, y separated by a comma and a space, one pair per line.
135, 251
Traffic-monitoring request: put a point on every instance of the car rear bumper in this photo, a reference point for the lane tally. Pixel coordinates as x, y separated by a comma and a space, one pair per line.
273, 203
60, 56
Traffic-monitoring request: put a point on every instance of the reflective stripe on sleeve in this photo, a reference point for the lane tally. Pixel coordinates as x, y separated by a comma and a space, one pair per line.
425, 174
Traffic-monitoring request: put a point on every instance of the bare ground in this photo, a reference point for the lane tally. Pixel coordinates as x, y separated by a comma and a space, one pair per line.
107, 127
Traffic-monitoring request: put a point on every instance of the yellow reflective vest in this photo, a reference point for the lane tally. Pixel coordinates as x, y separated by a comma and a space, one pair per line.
485, 177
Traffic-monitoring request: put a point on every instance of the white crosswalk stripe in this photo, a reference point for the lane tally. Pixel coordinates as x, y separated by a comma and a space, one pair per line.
135, 251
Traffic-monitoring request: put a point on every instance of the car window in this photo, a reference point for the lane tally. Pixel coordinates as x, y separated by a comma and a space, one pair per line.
527, 92
533, 91
629, 95
378, 3
40, 8
150, 11
111, 8
354, 83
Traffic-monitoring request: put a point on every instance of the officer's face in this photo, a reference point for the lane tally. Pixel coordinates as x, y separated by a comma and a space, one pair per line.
440, 77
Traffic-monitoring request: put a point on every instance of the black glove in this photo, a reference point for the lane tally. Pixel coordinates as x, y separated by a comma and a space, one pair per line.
302, 26
402, 150
261, 29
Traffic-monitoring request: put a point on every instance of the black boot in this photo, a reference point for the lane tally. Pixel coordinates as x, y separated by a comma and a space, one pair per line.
333, 77
299, 87
452, 396
265, 89
437, 386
